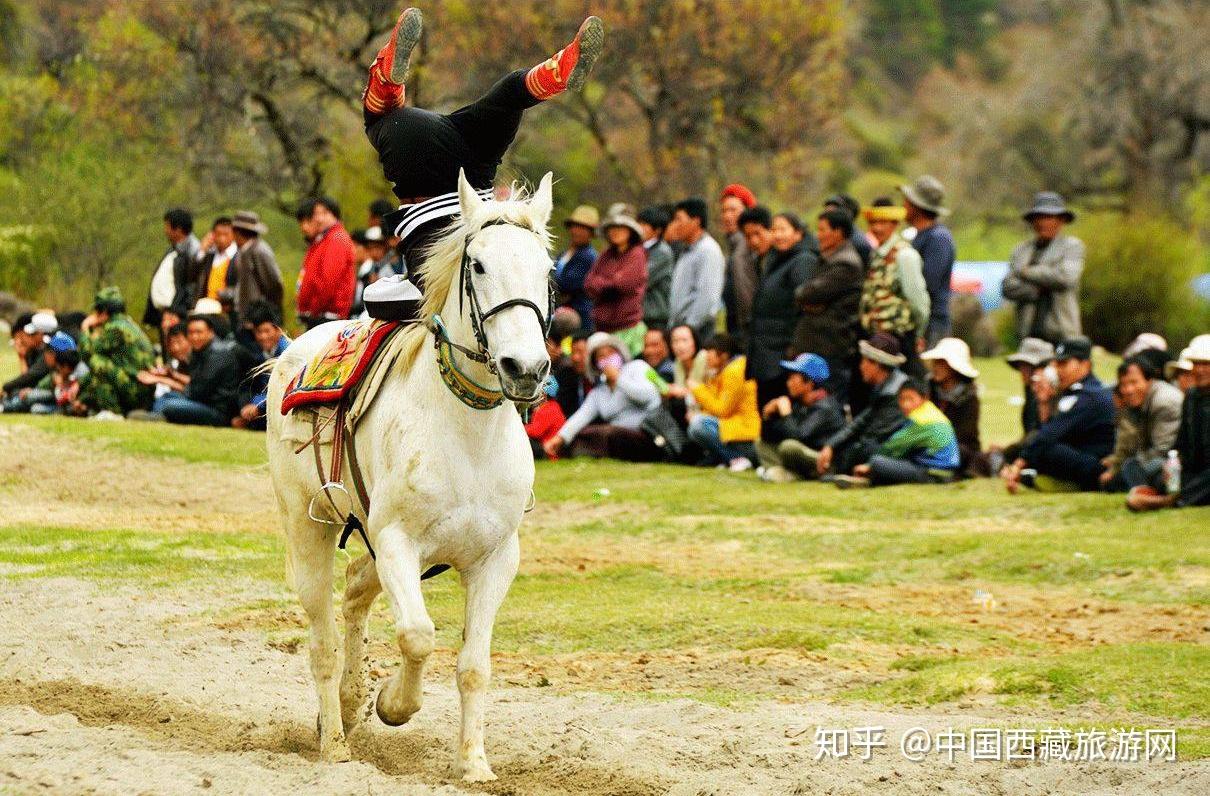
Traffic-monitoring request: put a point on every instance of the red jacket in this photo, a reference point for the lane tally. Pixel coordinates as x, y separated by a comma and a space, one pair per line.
616, 284
329, 275
545, 421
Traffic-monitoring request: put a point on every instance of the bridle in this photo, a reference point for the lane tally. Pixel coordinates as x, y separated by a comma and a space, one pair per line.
467, 295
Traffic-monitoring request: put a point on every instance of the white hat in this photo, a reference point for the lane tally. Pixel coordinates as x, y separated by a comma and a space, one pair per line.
1198, 350
42, 323
1146, 341
1180, 363
955, 353
206, 306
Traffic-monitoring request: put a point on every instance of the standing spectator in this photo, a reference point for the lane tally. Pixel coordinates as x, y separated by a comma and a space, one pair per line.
215, 255
29, 344
829, 300
1146, 427
328, 279
923, 451
1192, 441
609, 422
1044, 273
379, 208
271, 342
257, 276
658, 355
728, 422
740, 283
924, 202
1070, 446
788, 257
653, 221
697, 279
859, 440
795, 426
209, 398
572, 265
171, 293
115, 350
616, 281
845, 202
894, 296
953, 390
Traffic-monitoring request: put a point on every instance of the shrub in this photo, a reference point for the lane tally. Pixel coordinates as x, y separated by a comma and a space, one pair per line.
1137, 278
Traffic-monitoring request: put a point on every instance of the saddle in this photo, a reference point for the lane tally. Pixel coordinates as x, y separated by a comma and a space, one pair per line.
337, 369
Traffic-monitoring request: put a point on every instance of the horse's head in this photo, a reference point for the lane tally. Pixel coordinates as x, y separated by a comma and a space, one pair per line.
507, 267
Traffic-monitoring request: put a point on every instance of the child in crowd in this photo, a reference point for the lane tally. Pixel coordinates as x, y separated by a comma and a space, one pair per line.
545, 420
62, 387
923, 451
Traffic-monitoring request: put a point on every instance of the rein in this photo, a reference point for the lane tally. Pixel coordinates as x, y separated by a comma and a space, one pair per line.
462, 386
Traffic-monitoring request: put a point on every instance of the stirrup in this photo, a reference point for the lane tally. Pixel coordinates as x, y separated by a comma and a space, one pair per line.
323, 490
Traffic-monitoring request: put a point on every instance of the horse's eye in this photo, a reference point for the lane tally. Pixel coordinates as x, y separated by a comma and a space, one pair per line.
478, 267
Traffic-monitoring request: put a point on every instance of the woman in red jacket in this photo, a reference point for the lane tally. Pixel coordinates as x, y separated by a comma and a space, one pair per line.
617, 281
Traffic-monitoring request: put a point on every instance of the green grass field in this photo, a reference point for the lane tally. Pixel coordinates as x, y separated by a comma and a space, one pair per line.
1043, 607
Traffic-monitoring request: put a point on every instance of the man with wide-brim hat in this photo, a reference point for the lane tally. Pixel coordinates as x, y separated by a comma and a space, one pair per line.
859, 440
257, 275
1043, 278
924, 203
1192, 441
574, 263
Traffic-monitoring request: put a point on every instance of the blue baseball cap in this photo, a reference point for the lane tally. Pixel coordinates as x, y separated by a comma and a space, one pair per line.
813, 366
60, 342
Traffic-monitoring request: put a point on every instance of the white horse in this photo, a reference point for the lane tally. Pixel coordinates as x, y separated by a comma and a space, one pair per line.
448, 483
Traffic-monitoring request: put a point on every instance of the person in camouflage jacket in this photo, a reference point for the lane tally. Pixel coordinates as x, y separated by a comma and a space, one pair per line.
116, 349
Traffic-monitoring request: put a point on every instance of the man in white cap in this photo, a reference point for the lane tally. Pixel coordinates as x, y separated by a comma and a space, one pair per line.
924, 203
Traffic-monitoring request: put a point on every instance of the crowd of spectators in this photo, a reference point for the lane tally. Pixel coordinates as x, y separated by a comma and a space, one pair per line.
802, 348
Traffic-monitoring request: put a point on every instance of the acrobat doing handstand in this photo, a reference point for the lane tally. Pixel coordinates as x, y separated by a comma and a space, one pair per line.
422, 152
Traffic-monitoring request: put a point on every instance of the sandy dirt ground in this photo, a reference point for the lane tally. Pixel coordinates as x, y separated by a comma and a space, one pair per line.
120, 691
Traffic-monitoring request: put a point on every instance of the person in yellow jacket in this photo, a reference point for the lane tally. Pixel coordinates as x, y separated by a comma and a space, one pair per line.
727, 423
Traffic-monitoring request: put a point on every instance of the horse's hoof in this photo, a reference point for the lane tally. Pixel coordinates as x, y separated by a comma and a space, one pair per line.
336, 753
478, 771
385, 716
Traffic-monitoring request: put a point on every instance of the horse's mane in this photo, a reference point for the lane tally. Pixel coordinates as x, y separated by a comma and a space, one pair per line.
442, 260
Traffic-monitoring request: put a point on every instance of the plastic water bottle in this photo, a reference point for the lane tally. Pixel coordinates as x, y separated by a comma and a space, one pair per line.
1172, 473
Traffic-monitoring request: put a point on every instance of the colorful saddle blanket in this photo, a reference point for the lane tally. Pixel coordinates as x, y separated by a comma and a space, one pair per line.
338, 367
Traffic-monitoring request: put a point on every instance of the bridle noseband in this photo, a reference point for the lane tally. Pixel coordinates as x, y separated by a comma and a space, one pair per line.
478, 317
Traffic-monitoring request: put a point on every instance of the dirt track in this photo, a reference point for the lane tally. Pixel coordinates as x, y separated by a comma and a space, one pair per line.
140, 693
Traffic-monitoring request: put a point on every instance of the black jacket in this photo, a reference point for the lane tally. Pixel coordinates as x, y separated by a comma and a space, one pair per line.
36, 370
830, 300
774, 309
812, 425
1193, 435
1083, 419
879, 420
214, 377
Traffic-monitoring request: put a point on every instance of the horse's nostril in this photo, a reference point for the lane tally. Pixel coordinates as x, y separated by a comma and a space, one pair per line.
511, 367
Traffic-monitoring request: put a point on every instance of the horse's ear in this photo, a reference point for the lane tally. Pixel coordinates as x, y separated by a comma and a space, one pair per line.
468, 201
543, 202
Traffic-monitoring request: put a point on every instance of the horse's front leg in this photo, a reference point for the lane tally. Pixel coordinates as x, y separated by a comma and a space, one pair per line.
486, 585
399, 573
361, 587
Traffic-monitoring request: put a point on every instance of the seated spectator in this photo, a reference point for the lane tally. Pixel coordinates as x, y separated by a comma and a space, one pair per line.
271, 343
115, 350
859, 440
571, 372
1068, 449
786, 257
1180, 372
209, 397
795, 426
829, 300
67, 374
1192, 442
658, 355
616, 282
609, 423
171, 376
1029, 361
1146, 427
688, 360
952, 388
923, 451
545, 420
727, 423
29, 343
653, 221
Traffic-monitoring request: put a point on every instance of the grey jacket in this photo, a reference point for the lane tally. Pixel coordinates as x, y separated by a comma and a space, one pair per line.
1149, 432
1047, 292
697, 285
257, 276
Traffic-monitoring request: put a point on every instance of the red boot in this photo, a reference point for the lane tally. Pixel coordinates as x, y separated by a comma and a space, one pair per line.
569, 67
390, 67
